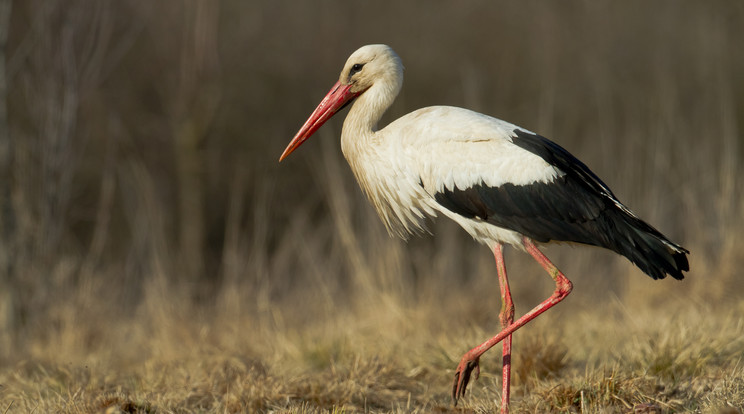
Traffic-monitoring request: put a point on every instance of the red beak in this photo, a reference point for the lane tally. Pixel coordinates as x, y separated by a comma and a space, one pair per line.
337, 98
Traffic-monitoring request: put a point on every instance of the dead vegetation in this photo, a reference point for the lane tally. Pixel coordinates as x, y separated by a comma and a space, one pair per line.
239, 364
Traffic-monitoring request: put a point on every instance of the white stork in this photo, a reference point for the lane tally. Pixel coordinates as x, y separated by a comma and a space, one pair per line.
503, 184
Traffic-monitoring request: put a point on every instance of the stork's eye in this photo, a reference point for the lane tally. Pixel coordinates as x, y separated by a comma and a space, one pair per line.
356, 68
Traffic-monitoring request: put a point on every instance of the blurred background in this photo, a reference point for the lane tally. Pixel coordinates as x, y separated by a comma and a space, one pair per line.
139, 143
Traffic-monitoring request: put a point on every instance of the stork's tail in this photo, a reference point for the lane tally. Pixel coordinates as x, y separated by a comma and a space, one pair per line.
647, 248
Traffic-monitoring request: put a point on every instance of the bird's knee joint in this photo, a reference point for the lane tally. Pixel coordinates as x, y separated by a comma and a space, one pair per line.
563, 288
507, 315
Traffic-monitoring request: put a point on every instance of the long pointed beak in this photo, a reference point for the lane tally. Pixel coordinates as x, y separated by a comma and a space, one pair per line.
337, 98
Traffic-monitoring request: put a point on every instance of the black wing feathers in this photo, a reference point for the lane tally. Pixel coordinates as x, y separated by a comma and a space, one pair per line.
575, 207
557, 156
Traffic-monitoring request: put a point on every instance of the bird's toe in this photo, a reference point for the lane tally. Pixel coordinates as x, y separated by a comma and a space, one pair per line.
462, 376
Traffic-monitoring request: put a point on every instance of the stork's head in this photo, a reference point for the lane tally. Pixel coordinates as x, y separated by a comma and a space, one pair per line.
371, 66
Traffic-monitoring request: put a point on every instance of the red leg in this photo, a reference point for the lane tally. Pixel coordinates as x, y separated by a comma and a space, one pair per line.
470, 360
507, 318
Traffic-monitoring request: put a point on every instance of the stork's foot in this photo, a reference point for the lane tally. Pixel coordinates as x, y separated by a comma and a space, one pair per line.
462, 375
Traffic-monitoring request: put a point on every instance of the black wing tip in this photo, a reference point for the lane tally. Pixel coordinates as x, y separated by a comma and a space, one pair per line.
681, 263
659, 264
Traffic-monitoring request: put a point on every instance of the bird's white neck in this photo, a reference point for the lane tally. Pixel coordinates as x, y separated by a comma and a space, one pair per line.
360, 125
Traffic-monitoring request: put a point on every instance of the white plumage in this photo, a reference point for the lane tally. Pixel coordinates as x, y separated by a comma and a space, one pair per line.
501, 183
445, 147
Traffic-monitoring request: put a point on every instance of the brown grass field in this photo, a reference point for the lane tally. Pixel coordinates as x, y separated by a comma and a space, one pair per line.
155, 257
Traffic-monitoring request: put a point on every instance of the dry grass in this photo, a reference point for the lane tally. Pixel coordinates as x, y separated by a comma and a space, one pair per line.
384, 356
154, 257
